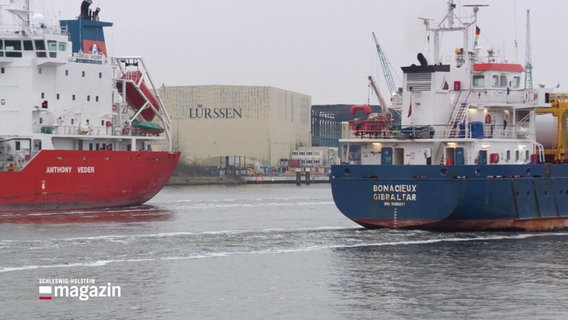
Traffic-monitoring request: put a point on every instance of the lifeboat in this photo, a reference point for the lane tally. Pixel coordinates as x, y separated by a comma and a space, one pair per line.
138, 94
365, 108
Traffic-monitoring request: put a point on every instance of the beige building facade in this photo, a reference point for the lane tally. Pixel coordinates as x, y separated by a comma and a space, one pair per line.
257, 123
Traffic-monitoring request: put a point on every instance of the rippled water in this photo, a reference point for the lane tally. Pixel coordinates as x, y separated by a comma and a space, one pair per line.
272, 252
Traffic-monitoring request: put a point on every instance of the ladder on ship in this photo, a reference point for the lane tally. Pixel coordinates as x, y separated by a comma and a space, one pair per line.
459, 114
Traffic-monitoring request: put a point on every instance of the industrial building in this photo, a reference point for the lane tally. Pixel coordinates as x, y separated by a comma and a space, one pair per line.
216, 124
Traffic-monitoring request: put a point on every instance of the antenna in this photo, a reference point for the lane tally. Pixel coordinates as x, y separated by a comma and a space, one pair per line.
426, 21
475, 9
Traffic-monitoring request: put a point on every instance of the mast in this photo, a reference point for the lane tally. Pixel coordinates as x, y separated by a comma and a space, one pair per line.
528, 56
451, 22
27, 8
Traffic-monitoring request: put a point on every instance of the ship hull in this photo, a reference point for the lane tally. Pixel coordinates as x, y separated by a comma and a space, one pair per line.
530, 197
70, 179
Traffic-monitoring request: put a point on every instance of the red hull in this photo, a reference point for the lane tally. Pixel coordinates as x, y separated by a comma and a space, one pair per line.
137, 99
66, 179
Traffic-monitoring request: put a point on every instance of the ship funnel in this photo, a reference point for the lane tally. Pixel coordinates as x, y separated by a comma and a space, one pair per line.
86, 33
422, 59
85, 9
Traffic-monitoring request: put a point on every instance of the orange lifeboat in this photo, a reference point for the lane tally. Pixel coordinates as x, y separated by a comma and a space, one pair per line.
138, 94
364, 107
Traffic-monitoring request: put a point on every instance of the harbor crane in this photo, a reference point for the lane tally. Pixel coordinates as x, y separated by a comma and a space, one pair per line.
387, 69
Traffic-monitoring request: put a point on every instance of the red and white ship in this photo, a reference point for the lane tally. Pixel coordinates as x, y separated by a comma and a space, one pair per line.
75, 124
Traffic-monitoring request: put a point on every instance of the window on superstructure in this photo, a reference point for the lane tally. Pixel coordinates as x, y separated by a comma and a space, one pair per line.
57, 96
39, 70
1, 48
2, 70
516, 82
508, 155
96, 98
83, 74
479, 80
40, 45
66, 73
100, 75
40, 48
527, 155
88, 98
43, 95
62, 46
15, 45
495, 81
73, 97
13, 48
28, 45
18, 146
517, 155
503, 80
52, 47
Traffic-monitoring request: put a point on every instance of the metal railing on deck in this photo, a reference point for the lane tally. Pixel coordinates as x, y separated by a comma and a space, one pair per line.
94, 131
473, 130
499, 96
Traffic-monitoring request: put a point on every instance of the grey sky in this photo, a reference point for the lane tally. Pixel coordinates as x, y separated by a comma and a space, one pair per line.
321, 48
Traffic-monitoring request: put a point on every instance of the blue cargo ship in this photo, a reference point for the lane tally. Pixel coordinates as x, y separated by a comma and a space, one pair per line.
469, 153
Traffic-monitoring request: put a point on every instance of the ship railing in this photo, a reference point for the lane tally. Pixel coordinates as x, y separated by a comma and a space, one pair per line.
100, 131
15, 28
502, 96
477, 130
539, 150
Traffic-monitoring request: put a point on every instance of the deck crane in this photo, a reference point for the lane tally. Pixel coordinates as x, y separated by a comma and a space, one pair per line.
387, 71
382, 101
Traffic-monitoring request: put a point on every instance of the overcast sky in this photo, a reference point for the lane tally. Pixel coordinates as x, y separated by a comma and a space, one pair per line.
322, 48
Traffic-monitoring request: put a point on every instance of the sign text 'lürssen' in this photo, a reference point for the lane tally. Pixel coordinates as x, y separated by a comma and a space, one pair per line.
215, 113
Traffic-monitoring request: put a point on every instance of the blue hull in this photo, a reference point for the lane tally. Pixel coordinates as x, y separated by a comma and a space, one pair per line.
530, 197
